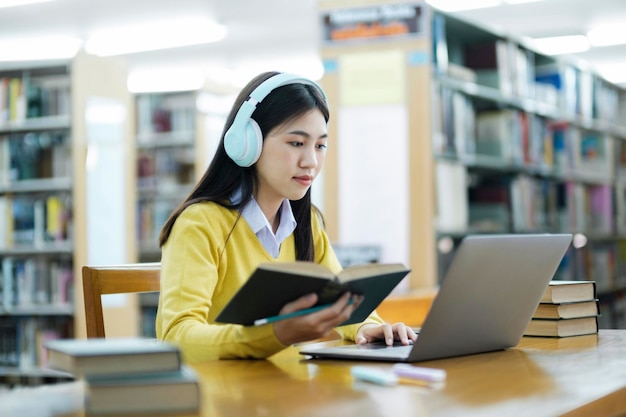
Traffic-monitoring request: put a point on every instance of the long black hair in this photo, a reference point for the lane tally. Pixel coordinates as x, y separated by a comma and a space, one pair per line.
223, 176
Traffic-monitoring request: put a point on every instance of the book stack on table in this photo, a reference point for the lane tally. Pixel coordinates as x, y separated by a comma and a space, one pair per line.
128, 375
567, 308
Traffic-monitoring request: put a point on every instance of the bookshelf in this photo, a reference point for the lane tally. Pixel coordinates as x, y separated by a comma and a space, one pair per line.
176, 135
532, 142
166, 143
42, 206
36, 236
499, 139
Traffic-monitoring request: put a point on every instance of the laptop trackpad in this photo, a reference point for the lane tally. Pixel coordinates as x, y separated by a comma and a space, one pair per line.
368, 350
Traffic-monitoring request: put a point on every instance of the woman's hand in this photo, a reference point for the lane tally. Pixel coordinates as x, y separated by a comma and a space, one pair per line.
387, 332
315, 325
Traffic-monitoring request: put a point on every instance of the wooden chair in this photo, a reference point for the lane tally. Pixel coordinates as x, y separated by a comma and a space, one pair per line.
118, 279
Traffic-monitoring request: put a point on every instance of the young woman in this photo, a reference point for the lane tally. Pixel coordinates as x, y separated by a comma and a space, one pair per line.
253, 205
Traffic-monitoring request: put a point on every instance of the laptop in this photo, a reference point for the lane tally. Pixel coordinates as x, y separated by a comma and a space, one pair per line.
483, 304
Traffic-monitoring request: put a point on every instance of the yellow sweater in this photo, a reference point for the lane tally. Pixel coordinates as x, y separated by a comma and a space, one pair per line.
198, 278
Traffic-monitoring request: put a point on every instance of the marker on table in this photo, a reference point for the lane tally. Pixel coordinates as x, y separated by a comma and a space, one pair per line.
399, 373
404, 370
374, 375
297, 313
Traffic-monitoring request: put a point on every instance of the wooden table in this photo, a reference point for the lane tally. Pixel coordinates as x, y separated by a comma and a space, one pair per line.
579, 376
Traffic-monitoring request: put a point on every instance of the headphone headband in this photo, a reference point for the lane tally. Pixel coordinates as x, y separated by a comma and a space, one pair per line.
243, 141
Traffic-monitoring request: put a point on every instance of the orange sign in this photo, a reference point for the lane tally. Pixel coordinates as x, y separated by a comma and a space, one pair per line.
372, 22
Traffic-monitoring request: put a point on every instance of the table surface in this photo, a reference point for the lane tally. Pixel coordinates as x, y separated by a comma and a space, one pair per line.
584, 375
576, 376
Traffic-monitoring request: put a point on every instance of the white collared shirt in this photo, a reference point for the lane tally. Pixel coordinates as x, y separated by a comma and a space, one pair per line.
261, 227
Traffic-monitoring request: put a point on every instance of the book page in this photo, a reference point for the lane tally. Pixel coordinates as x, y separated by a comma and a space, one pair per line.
368, 270
301, 268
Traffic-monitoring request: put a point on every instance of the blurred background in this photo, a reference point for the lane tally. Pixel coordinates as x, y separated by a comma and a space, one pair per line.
485, 116
229, 41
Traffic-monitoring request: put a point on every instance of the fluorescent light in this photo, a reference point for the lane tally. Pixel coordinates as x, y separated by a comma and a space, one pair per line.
44, 48
153, 36
162, 80
559, 45
460, 5
520, 1
613, 72
607, 35
15, 3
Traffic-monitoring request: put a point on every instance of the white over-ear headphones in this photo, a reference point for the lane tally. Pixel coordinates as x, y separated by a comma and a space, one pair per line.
243, 141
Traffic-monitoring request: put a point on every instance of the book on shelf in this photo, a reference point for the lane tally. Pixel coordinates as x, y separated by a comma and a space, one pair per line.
502, 134
272, 285
452, 203
146, 394
562, 327
563, 78
491, 61
567, 310
563, 291
113, 356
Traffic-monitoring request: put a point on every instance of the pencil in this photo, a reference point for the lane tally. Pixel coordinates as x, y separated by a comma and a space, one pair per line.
298, 313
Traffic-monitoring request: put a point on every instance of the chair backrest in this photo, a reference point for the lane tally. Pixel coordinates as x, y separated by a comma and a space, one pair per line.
117, 279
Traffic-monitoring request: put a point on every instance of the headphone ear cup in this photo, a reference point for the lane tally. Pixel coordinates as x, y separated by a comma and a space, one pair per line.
243, 140
254, 140
244, 147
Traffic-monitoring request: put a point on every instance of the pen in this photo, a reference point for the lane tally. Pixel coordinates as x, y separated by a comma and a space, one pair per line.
297, 313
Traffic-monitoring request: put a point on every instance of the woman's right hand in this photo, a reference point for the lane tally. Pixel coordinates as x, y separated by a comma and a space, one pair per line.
315, 325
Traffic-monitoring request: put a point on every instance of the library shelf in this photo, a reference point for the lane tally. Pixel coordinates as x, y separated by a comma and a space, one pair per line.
501, 138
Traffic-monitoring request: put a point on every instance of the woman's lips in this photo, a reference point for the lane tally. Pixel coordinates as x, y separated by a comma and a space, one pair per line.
304, 179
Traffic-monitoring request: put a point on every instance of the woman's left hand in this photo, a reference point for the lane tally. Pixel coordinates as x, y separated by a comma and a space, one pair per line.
387, 332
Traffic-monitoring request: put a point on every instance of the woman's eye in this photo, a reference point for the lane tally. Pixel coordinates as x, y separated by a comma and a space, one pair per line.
322, 146
297, 144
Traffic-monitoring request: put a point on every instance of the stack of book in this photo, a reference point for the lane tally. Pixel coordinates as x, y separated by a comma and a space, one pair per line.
128, 375
567, 308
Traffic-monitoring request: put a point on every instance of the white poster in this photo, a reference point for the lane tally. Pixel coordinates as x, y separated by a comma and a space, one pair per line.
373, 179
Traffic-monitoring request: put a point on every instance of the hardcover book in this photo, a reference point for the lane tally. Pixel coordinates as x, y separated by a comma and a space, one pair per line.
567, 310
569, 291
273, 285
113, 356
562, 327
145, 394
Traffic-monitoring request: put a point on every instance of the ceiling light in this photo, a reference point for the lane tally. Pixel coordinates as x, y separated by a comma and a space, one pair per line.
29, 49
459, 5
163, 80
520, 1
154, 36
607, 35
613, 72
559, 45
15, 3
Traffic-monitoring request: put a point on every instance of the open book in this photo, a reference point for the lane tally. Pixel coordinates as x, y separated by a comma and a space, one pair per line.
273, 285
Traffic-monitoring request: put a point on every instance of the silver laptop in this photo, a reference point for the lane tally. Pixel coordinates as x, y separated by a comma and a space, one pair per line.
484, 303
